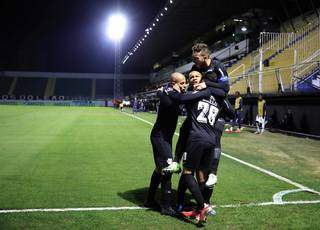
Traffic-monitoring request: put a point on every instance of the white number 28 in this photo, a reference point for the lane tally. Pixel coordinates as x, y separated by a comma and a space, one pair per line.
208, 113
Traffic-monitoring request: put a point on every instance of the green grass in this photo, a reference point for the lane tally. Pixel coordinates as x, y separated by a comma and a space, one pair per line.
58, 157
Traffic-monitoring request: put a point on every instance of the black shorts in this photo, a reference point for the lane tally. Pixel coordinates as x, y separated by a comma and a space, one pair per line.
162, 151
182, 140
199, 155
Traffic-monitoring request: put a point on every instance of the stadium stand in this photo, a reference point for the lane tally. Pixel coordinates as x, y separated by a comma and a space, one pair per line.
104, 88
49, 91
5, 84
279, 53
30, 86
73, 87
280, 67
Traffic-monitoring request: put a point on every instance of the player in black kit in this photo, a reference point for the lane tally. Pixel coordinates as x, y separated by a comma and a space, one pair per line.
161, 139
202, 109
215, 76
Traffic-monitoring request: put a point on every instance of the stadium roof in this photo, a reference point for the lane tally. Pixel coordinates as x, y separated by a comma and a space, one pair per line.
187, 20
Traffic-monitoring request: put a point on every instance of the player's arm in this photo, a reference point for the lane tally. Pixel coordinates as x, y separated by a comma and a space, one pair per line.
220, 88
220, 73
228, 109
197, 95
190, 96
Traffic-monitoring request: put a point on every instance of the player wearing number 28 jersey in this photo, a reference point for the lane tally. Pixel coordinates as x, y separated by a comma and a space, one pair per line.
202, 109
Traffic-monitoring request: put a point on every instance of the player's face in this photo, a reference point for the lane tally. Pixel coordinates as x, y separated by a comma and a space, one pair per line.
182, 84
198, 58
195, 77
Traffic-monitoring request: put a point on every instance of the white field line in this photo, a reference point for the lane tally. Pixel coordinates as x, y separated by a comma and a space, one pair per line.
277, 198
249, 165
299, 202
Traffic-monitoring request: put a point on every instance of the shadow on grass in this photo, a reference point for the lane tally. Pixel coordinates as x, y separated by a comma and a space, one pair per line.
138, 196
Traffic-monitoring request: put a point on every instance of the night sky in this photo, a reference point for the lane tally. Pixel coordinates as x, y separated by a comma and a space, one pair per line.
67, 35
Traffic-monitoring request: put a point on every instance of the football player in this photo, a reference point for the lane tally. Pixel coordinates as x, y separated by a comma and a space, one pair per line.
161, 140
261, 115
202, 109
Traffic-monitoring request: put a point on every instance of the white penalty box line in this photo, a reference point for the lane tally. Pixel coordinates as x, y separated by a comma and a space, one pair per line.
272, 174
299, 202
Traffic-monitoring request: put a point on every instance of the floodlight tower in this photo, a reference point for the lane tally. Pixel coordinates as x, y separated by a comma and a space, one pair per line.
117, 24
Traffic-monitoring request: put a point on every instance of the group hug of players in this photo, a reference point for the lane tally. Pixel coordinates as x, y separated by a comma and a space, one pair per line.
198, 146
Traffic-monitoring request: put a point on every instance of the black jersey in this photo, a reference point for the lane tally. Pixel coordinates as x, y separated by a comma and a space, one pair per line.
202, 110
167, 117
215, 75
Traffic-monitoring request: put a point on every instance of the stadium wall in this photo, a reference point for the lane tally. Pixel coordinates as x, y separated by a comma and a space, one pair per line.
298, 113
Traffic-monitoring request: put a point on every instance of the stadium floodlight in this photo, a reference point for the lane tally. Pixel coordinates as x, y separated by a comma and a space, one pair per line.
153, 24
243, 29
117, 24
165, 8
171, 1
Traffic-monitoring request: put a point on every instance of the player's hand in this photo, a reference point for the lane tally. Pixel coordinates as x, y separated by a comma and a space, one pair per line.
176, 87
174, 167
200, 86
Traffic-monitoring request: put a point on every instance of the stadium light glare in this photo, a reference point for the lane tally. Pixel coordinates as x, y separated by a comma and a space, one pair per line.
243, 29
161, 14
165, 8
153, 24
117, 25
157, 19
171, 1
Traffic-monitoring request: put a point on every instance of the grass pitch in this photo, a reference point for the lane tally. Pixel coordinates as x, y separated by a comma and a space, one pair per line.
78, 157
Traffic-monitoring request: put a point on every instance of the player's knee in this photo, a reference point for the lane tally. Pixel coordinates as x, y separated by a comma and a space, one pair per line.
201, 176
187, 171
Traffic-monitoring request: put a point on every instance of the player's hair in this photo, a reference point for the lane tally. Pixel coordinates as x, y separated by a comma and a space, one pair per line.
196, 72
201, 47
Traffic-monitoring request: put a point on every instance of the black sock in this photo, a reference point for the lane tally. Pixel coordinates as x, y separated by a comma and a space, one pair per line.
154, 183
202, 187
194, 189
182, 188
166, 192
207, 193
